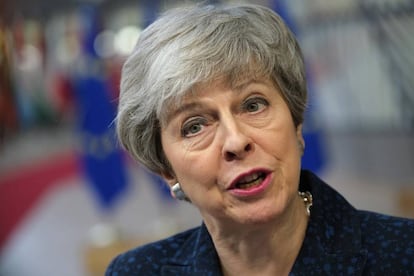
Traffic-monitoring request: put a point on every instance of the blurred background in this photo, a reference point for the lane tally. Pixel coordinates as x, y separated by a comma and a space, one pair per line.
71, 199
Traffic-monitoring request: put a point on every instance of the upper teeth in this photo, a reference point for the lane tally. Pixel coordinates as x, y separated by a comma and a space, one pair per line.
249, 178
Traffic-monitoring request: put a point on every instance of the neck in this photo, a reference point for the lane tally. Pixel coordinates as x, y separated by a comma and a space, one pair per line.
265, 249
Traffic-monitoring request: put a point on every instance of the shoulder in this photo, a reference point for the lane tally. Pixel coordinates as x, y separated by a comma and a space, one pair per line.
386, 224
389, 241
386, 241
149, 258
382, 230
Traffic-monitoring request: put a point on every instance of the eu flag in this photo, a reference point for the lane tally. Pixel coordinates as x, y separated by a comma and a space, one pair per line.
102, 159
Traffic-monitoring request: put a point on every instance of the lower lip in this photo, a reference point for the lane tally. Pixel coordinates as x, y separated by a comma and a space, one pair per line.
253, 191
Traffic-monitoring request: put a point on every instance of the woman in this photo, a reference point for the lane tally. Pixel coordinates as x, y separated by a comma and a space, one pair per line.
212, 99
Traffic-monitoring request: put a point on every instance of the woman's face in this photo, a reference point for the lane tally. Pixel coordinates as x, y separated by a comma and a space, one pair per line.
235, 152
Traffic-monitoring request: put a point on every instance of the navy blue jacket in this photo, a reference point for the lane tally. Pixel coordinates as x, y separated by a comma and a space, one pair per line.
340, 240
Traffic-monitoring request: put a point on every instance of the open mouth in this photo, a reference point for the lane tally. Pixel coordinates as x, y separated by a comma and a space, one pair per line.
250, 180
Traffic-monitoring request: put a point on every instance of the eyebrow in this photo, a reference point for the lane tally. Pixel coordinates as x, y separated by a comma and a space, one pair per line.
182, 108
170, 115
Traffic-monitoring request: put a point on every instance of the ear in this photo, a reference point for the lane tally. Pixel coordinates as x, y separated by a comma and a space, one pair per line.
170, 179
299, 136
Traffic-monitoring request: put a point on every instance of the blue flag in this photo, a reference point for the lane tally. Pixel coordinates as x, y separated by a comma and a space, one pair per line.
102, 159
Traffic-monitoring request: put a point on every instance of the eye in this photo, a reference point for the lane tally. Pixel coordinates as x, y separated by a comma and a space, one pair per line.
193, 126
254, 104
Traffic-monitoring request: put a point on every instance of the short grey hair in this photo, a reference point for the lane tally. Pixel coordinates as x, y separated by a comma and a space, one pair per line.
191, 46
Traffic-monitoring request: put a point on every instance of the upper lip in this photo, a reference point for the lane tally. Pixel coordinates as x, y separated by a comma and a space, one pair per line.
247, 174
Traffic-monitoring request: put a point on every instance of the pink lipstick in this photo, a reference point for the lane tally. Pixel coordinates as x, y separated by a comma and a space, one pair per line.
251, 184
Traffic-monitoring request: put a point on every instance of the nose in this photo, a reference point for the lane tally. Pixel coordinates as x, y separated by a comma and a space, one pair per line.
236, 142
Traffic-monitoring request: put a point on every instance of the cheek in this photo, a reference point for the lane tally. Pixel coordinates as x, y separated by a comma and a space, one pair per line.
281, 141
192, 168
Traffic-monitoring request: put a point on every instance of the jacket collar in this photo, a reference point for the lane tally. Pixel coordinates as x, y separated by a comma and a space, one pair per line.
197, 256
332, 242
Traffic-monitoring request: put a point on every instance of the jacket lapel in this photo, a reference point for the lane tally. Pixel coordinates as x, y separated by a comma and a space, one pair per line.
320, 255
332, 264
197, 256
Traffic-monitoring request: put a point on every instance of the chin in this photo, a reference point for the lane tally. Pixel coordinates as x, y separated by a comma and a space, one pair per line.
261, 214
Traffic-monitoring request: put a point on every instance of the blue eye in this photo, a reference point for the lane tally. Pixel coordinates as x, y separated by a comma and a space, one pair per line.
254, 104
192, 127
